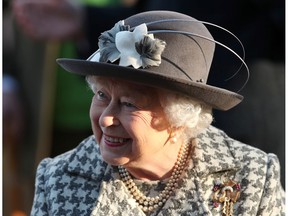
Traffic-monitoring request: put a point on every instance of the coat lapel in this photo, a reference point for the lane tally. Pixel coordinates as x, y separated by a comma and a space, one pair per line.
86, 161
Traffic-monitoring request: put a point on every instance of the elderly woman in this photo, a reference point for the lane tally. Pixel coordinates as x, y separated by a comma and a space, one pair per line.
153, 151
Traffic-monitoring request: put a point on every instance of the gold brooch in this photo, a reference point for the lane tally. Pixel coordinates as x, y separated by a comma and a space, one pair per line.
226, 193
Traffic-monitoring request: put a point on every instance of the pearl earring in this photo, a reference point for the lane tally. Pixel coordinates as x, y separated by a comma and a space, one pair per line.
173, 138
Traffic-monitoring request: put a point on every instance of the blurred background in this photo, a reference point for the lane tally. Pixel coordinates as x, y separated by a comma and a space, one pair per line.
45, 110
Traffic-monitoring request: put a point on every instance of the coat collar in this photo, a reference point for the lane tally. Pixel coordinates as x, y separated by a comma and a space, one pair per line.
86, 160
214, 152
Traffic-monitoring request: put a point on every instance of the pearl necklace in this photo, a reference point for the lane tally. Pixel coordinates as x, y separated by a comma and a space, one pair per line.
148, 204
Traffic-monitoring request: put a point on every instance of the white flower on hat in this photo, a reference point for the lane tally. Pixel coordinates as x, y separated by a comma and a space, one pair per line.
137, 48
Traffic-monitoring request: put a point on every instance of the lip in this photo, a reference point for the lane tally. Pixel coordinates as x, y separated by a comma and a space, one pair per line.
115, 142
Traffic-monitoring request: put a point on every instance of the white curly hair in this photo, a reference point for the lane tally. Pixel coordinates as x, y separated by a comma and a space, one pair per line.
184, 112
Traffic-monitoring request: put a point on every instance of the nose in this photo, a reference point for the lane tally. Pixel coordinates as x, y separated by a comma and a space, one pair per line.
109, 116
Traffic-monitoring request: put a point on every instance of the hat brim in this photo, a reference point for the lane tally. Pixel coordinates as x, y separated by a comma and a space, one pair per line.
215, 97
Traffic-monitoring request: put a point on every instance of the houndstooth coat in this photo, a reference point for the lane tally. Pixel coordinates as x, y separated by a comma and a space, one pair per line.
79, 182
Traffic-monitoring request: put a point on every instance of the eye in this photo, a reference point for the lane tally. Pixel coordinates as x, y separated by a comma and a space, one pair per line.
100, 95
129, 105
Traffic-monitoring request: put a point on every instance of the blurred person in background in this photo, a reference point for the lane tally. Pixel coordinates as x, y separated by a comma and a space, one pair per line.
14, 123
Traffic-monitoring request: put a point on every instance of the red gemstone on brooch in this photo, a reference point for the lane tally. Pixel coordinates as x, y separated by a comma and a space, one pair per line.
215, 204
238, 187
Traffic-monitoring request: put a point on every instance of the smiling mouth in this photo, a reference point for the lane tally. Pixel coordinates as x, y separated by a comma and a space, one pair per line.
115, 141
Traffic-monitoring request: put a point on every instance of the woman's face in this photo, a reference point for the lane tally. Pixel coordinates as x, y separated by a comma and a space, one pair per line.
128, 122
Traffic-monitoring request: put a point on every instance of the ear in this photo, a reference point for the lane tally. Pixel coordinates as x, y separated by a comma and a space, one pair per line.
160, 122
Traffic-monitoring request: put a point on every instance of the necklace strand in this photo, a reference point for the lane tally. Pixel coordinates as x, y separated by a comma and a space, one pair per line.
148, 204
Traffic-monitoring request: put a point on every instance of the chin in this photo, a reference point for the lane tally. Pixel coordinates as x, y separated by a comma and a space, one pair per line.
115, 161
114, 157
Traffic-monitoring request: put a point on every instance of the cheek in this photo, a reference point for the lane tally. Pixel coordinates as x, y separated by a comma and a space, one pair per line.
141, 119
94, 117
154, 121
140, 126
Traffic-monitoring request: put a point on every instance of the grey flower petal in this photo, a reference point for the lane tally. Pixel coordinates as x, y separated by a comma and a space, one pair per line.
150, 51
106, 43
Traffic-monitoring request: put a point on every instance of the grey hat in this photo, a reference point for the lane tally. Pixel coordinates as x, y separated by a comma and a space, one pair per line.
161, 49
